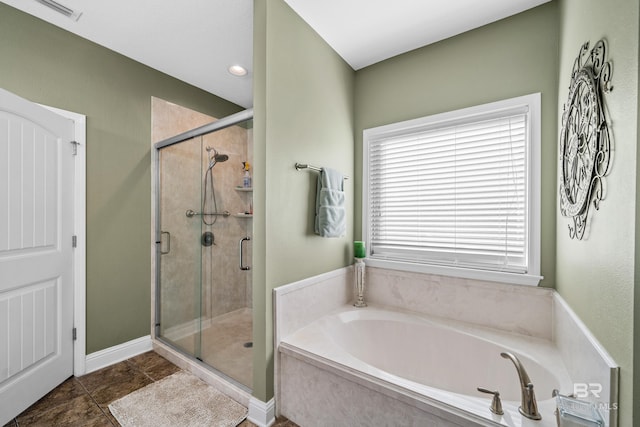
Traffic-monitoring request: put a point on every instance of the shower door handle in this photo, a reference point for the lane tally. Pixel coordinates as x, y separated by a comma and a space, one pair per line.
168, 243
242, 266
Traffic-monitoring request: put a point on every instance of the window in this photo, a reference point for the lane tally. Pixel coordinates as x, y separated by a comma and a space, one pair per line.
457, 193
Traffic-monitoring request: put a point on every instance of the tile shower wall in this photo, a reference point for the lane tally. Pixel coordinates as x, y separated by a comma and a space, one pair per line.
224, 284
225, 287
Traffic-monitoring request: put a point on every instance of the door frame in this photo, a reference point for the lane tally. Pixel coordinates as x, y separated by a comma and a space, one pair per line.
79, 230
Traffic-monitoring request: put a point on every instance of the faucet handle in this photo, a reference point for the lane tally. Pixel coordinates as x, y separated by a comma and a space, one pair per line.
496, 404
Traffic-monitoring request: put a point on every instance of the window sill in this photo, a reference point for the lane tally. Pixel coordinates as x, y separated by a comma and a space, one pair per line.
466, 273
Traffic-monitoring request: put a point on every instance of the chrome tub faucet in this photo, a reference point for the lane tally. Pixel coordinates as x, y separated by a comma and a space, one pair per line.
528, 406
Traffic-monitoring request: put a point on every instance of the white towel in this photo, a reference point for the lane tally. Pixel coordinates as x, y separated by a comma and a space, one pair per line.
331, 218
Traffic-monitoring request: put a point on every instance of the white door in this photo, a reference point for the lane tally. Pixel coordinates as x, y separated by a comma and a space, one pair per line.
36, 254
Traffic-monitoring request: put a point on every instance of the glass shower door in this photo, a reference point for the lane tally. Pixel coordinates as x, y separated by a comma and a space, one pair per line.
226, 339
180, 261
204, 289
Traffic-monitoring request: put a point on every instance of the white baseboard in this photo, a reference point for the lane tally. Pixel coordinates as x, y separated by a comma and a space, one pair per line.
118, 353
260, 413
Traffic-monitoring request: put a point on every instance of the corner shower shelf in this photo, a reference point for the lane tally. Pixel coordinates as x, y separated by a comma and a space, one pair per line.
243, 215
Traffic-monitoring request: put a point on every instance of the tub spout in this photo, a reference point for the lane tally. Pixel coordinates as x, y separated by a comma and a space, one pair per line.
528, 406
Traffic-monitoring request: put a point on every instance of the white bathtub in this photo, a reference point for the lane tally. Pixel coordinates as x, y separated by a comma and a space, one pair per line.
422, 363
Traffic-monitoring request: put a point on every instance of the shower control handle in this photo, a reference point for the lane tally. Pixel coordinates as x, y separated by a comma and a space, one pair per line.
242, 266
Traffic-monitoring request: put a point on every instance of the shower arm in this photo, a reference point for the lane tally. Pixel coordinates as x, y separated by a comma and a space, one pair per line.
191, 213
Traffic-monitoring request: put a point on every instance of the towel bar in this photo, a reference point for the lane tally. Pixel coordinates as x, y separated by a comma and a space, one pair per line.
300, 166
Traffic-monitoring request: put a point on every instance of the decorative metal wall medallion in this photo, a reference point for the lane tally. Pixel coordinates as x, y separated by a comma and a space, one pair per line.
585, 138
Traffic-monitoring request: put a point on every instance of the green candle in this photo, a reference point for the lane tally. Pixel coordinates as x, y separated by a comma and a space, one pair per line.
359, 250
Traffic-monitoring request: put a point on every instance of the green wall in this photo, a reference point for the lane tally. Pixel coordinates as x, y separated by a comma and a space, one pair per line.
309, 107
596, 275
512, 57
48, 65
262, 387
303, 101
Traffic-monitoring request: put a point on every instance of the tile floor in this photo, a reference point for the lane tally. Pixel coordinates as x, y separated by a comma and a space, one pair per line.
83, 401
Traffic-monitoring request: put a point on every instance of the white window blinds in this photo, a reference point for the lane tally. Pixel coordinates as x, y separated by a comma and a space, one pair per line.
452, 193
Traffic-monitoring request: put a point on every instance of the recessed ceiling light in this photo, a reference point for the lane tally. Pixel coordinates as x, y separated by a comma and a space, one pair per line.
238, 70
60, 8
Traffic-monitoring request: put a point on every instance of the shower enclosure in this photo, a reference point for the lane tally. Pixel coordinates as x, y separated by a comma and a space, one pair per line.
203, 246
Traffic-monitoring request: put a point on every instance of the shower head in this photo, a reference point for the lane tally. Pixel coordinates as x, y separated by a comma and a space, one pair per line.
216, 157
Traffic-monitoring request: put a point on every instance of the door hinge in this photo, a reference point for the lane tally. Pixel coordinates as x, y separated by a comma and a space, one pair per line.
74, 241
75, 334
75, 147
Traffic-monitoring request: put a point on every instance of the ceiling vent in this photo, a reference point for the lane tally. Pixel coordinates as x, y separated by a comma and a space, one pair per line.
60, 8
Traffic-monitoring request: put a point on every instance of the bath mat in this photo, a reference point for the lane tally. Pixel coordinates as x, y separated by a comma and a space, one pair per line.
180, 399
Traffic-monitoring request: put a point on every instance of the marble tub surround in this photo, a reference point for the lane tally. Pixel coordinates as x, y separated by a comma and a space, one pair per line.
589, 364
306, 384
525, 310
300, 303
432, 365
522, 311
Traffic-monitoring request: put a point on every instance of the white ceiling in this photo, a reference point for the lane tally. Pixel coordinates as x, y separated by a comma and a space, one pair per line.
364, 32
197, 40
193, 40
